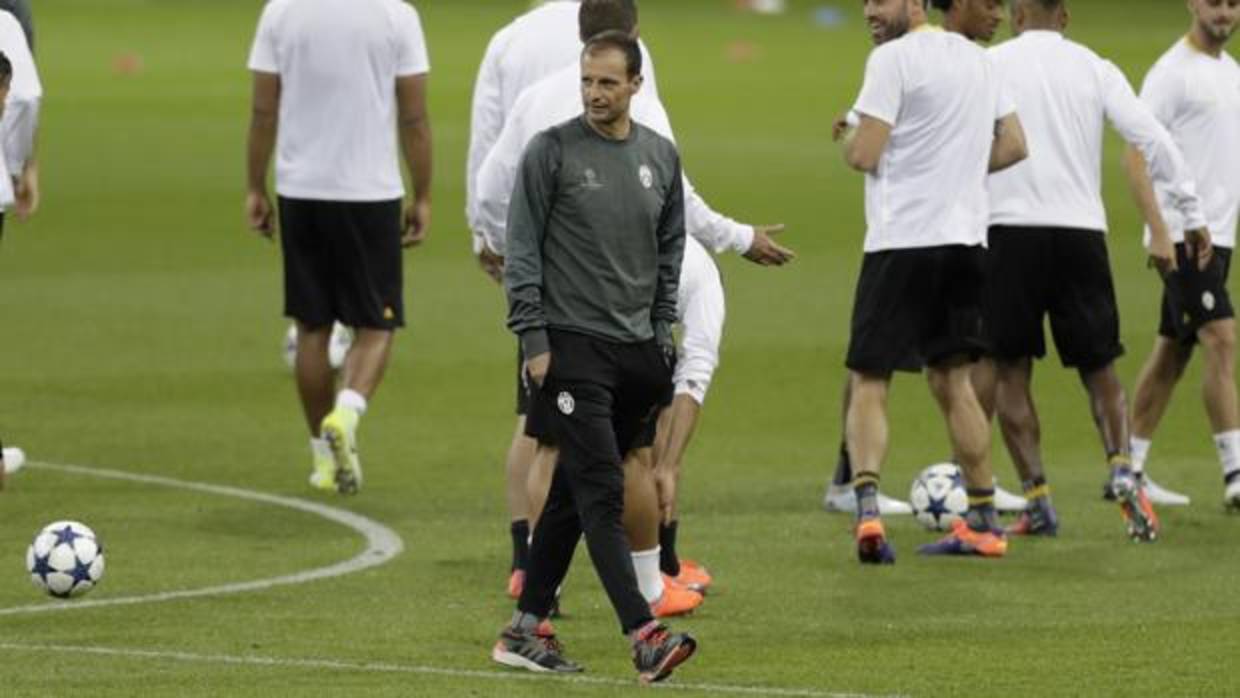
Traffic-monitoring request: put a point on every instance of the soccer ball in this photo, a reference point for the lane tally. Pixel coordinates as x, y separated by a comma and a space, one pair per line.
337, 347
65, 559
938, 497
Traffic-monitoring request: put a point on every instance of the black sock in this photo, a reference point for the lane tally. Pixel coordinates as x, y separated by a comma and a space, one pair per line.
520, 531
866, 489
843, 467
669, 563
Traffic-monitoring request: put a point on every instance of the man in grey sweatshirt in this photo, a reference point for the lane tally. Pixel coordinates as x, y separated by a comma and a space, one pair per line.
596, 235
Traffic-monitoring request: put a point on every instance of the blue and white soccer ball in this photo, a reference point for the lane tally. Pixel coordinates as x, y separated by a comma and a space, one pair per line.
337, 348
938, 497
65, 559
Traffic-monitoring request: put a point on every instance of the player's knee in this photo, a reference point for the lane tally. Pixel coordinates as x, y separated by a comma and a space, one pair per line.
1218, 339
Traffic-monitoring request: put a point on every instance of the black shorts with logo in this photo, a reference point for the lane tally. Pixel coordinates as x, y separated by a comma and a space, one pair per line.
342, 261
591, 376
1063, 273
917, 307
1193, 297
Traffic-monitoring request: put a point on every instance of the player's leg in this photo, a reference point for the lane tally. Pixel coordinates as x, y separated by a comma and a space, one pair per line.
364, 242
641, 524
1218, 351
517, 464
308, 300
949, 334
1022, 433
1181, 316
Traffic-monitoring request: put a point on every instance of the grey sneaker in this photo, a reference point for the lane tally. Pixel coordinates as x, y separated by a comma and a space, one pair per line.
537, 651
657, 651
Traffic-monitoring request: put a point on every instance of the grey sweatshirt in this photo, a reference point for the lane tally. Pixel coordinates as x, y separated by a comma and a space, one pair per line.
596, 234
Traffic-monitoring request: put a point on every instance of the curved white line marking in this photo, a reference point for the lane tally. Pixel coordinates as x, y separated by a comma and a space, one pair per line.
382, 667
382, 543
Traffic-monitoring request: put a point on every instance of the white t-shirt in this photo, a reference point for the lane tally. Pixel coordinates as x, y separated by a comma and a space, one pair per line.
1063, 91
1197, 97
338, 61
21, 109
939, 93
525, 51
554, 100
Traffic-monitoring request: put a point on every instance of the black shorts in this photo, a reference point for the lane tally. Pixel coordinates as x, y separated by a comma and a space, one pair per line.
631, 381
342, 261
1193, 297
1063, 273
916, 307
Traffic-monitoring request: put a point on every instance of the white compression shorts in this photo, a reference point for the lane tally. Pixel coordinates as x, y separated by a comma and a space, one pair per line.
701, 311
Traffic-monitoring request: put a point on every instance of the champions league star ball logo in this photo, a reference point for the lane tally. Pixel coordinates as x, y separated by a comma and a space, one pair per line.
646, 176
565, 402
1207, 300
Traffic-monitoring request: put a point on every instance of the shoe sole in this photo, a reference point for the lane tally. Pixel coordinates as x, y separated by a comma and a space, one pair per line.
677, 657
348, 472
1141, 528
511, 659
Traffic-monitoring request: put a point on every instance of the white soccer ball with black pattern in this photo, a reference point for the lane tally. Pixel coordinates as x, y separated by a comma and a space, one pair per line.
938, 497
65, 559
337, 346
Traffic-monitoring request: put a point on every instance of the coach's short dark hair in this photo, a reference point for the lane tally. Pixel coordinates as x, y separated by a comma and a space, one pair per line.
620, 41
598, 16
942, 5
6, 68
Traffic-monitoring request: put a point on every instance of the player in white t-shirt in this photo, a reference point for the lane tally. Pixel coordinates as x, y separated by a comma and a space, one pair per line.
21, 94
343, 84
977, 20
1048, 252
1194, 90
931, 125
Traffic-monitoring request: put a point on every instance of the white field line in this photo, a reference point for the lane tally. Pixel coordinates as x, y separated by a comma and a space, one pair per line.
387, 668
382, 543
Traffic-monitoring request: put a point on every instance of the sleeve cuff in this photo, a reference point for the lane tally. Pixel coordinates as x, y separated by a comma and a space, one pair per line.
535, 342
744, 236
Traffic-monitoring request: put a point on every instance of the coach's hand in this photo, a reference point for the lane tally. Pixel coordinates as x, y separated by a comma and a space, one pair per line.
765, 251
1199, 247
259, 213
492, 264
536, 367
1162, 252
417, 223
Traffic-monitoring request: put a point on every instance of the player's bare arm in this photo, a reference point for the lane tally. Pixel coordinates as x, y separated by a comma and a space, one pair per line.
1009, 147
262, 142
414, 125
867, 145
1162, 251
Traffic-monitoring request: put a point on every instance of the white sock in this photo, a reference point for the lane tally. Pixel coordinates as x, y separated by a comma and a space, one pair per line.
1138, 449
649, 578
1228, 445
320, 448
352, 400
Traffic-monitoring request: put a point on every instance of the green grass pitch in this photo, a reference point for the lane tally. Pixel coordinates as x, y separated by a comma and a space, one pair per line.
141, 332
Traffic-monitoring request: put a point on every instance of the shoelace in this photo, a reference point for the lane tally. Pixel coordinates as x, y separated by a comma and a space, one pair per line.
550, 643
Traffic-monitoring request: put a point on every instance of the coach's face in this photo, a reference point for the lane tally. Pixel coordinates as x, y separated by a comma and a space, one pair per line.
1217, 18
982, 19
606, 88
887, 19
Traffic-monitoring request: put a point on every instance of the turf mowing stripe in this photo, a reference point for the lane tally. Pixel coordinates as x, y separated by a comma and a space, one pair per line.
382, 667
382, 543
